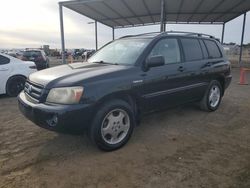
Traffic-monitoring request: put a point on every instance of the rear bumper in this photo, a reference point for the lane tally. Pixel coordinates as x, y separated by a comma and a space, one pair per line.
59, 118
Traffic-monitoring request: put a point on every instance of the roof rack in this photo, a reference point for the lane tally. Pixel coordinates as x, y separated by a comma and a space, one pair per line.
190, 34
137, 35
171, 32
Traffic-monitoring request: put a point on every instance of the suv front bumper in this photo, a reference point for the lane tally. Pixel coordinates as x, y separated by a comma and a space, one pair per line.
55, 117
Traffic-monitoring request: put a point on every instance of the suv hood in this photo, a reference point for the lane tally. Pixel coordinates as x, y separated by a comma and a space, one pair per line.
72, 73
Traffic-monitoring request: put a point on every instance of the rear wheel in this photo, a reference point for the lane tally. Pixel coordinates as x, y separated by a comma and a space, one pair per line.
212, 97
112, 125
15, 85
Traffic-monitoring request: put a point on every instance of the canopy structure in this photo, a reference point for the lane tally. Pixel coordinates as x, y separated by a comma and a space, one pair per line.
132, 13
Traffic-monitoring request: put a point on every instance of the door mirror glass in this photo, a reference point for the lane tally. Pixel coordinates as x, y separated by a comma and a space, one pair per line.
155, 61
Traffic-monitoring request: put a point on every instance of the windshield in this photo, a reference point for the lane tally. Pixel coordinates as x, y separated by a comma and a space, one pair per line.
121, 52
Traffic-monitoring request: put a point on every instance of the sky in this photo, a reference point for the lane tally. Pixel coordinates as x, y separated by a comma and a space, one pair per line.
33, 23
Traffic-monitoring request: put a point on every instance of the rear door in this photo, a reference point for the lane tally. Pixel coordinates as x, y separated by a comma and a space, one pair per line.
163, 86
5, 70
195, 56
215, 62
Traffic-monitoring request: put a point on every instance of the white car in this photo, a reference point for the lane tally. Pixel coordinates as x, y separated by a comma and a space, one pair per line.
13, 74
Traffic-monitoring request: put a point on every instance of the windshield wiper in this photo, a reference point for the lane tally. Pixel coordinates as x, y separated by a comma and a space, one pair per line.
103, 62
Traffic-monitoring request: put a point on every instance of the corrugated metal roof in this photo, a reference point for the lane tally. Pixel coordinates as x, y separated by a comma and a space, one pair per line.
129, 13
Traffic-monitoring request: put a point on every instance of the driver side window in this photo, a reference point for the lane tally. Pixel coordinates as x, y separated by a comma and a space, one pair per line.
169, 49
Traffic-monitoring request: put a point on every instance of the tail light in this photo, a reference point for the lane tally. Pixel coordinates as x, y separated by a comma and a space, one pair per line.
40, 58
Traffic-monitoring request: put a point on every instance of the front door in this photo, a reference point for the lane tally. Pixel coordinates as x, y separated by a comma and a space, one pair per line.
163, 86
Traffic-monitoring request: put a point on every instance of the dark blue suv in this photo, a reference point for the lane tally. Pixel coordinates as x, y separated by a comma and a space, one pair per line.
124, 80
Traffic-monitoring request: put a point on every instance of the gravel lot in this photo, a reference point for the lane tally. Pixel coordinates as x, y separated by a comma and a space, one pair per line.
182, 147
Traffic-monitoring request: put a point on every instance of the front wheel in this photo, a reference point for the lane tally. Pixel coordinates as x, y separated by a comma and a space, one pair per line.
212, 97
112, 125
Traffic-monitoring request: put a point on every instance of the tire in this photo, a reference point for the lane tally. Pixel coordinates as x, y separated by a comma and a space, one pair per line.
211, 101
112, 126
15, 85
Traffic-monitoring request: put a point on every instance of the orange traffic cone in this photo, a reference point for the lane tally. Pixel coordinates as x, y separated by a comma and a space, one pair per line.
243, 80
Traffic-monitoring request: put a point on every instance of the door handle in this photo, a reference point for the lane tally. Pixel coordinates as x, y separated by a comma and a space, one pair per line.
209, 64
4, 69
181, 69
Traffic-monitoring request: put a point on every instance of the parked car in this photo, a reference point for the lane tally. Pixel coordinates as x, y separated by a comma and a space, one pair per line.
37, 56
128, 78
13, 74
77, 53
12, 53
87, 54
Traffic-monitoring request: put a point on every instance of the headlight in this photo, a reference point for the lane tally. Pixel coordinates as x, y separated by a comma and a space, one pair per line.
65, 95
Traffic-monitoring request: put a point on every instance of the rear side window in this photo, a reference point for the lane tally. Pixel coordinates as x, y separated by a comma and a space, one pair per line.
192, 49
32, 53
213, 49
4, 60
204, 49
169, 49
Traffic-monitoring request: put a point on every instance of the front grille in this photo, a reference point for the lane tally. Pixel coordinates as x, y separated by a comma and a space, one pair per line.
33, 90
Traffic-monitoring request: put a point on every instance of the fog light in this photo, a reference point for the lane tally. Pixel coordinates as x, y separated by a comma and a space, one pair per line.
53, 121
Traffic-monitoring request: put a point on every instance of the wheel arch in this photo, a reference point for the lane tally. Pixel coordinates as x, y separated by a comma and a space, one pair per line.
221, 80
127, 97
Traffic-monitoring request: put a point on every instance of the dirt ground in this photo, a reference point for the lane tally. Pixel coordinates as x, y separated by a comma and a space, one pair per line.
179, 148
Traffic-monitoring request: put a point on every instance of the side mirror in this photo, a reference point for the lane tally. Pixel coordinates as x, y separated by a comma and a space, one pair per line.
155, 61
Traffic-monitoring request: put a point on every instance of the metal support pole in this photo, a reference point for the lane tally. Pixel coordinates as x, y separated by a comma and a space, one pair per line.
113, 33
223, 33
96, 39
165, 19
62, 33
242, 38
162, 15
